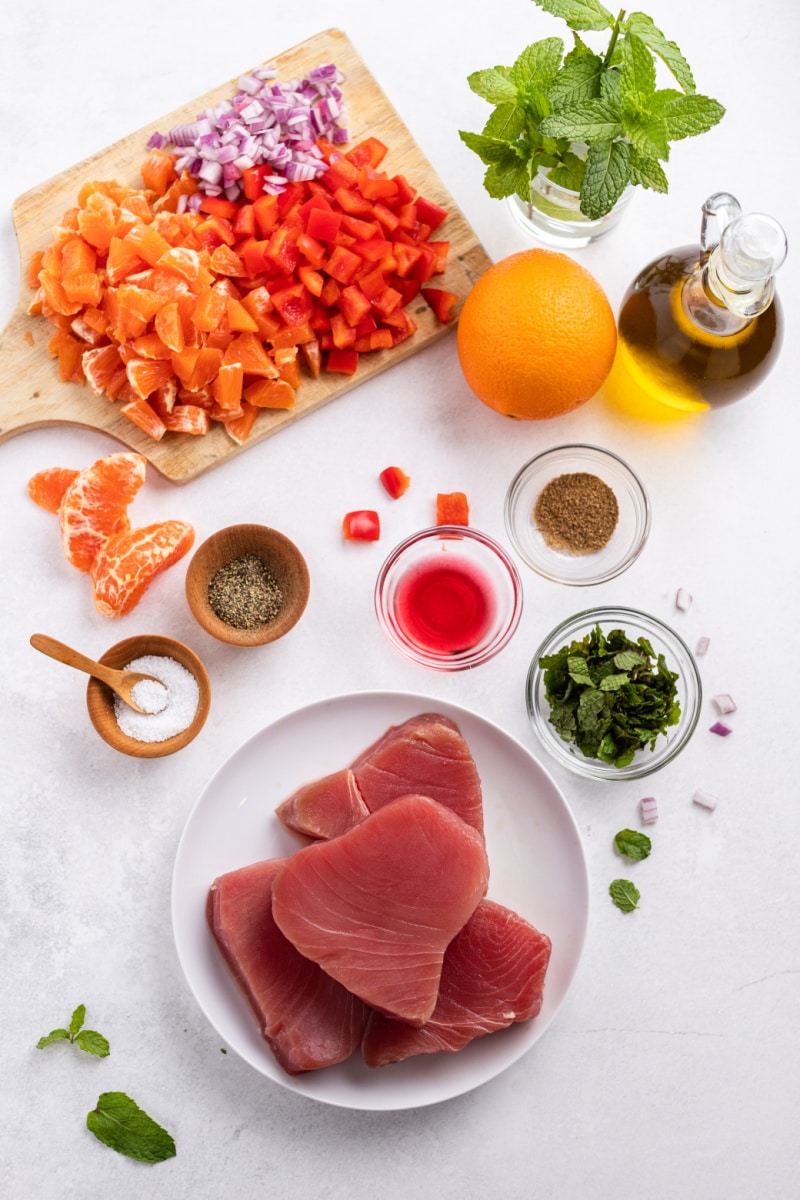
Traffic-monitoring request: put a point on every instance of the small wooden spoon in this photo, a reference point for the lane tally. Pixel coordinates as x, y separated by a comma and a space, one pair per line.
121, 682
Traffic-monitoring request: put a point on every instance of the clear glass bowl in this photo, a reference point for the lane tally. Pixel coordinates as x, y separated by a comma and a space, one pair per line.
678, 658
578, 570
449, 597
553, 215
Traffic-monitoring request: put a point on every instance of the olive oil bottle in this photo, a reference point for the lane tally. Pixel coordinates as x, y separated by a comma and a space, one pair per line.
701, 326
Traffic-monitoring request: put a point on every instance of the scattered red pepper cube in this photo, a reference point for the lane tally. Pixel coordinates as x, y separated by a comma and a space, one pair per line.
452, 508
342, 361
363, 525
395, 481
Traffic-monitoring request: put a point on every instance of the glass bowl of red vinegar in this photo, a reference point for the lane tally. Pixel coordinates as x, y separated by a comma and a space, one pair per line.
449, 597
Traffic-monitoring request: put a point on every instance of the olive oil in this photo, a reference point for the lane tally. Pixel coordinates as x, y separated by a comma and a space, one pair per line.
701, 326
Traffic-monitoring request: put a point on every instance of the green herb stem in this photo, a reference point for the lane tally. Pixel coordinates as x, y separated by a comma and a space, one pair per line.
615, 32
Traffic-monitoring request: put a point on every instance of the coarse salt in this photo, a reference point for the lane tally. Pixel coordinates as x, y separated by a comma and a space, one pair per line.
724, 703
183, 695
649, 809
150, 695
705, 799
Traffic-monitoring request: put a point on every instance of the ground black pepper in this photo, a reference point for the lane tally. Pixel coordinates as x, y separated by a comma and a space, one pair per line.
576, 512
244, 593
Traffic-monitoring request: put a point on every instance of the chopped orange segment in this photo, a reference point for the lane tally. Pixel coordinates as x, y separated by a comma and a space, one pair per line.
249, 351
158, 171
240, 429
270, 393
187, 418
146, 418
46, 488
227, 387
147, 374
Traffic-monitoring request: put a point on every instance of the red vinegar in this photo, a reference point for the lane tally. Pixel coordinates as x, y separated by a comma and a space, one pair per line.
444, 605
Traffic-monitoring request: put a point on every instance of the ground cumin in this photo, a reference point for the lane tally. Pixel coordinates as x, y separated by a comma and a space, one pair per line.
576, 512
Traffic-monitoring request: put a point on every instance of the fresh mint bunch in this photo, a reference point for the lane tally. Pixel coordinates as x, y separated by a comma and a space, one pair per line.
597, 120
86, 1039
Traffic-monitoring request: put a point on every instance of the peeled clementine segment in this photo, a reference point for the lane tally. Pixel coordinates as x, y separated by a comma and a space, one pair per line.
147, 374
158, 172
142, 414
127, 562
46, 488
95, 505
102, 365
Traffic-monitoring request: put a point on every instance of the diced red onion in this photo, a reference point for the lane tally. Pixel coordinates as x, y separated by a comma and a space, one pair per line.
649, 810
265, 122
724, 703
683, 600
721, 728
702, 645
705, 799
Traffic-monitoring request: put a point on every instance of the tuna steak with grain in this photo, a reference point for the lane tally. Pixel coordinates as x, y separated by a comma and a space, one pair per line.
308, 1019
377, 907
493, 976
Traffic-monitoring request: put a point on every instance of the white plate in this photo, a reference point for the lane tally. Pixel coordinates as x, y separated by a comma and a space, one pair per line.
536, 860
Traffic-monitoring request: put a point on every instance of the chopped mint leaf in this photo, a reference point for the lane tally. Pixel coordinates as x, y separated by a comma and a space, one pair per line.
93, 1043
118, 1122
633, 844
625, 895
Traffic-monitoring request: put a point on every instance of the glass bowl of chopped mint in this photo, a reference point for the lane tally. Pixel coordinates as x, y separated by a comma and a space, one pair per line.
613, 693
577, 514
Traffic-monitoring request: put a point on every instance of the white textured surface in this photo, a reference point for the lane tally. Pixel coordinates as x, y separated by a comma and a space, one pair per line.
672, 1068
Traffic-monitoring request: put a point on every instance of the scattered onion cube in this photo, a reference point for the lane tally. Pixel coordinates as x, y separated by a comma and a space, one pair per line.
721, 728
683, 600
702, 645
705, 799
649, 809
724, 703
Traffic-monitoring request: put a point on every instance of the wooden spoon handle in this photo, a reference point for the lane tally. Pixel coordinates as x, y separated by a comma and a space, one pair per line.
73, 658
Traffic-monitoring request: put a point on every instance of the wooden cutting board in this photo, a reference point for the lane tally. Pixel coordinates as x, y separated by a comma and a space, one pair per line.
31, 393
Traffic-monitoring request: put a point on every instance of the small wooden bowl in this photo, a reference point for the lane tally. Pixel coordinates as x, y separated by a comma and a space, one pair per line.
281, 557
100, 698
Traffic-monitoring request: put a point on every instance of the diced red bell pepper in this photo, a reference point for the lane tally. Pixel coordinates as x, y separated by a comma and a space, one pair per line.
323, 225
342, 362
362, 525
312, 356
253, 254
452, 508
343, 334
293, 303
361, 230
440, 252
253, 180
244, 223
353, 304
395, 481
311, 279
429, 213
282, 249
405, 192
353, 202
343, 264
265, 211
213, 232
311, 249
340, 173
218, 206
369, 152
379, 339
443, 303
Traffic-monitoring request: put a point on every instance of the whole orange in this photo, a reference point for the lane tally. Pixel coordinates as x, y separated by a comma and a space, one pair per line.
536, 335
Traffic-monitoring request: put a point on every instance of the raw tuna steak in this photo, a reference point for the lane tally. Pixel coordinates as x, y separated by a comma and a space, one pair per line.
377, 906
326, 807
425, 755
308, 1018
492, 976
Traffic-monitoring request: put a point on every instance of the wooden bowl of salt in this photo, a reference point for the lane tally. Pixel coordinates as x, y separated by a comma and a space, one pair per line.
247, 585
181, 710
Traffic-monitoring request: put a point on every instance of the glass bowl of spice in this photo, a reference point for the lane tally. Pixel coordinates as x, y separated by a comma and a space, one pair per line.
174, 713
613, 693
449, 597
247, 585
577, 515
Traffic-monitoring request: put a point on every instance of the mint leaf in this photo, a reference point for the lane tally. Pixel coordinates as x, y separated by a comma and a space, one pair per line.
637, 76
647, 134
647, 172
579, 14
579, 670
592, 121
55, 1035
625, 895
644, 28
492, 85
78, 1017
570, 172
612, 683
93, 1043
506, 122
507, 178
633, 844
577, 81
118, 1122
607, 175
626, 660
488, 149
85, 1039
687, 116
538, 64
